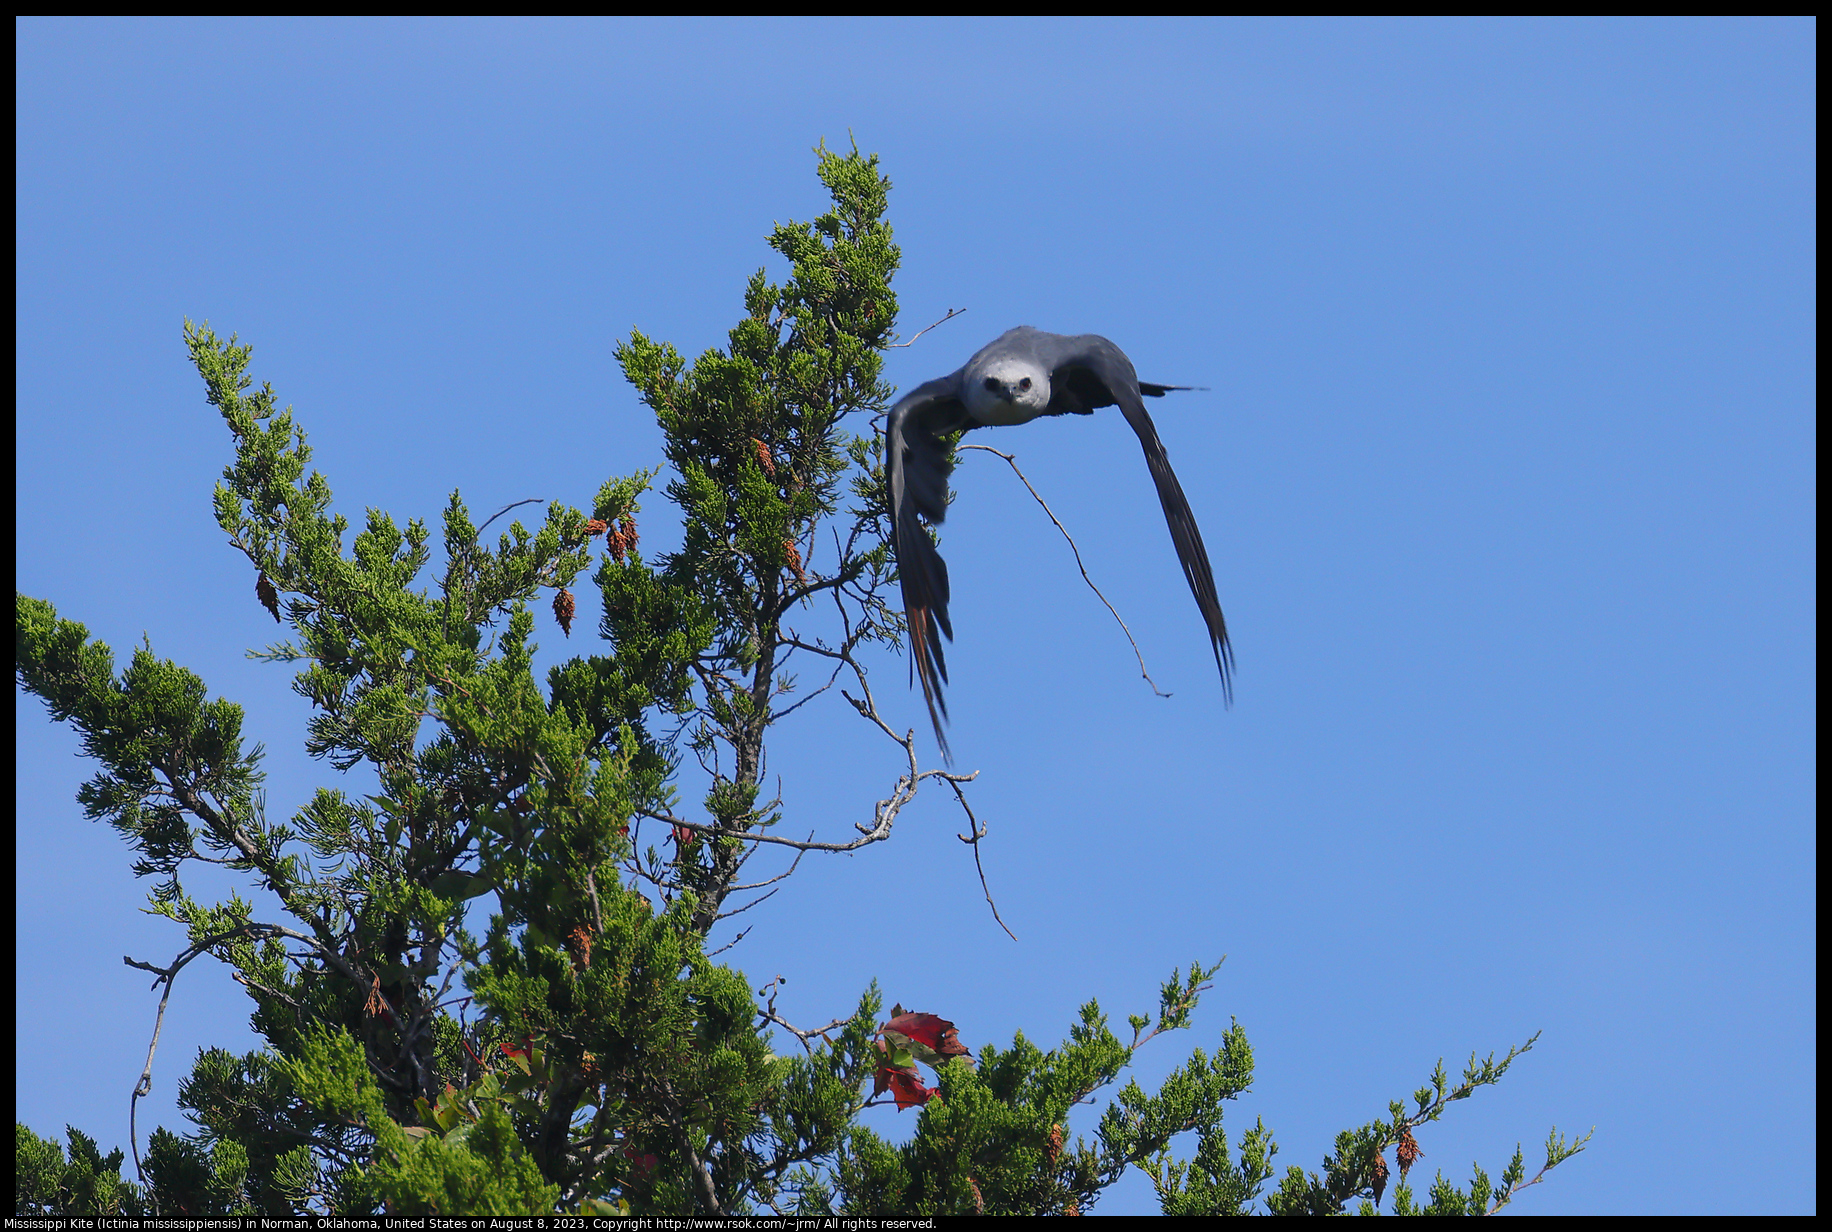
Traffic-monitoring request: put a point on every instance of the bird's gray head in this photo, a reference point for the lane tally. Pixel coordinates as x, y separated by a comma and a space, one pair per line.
1007, 390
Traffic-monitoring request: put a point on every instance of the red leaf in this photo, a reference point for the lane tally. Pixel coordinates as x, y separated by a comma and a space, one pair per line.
907, 1087
904, 1084
930, 1039
902, 1081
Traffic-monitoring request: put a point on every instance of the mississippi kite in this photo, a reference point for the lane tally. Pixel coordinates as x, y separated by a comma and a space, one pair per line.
1018, 376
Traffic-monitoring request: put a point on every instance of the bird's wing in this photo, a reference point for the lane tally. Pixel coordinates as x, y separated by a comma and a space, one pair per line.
918, 461
1109, 364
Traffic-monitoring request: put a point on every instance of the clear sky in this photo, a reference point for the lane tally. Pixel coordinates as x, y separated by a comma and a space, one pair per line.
1505, 466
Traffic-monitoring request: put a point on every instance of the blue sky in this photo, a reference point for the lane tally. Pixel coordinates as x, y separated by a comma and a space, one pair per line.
1505, 466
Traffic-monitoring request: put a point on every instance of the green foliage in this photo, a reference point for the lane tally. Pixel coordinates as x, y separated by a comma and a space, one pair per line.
463, 1157
995, 1139
84, 1185
1358, 1172
586, 1054
757, 437
165, 751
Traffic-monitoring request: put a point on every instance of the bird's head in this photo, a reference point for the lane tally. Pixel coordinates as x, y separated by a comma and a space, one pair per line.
1008, 391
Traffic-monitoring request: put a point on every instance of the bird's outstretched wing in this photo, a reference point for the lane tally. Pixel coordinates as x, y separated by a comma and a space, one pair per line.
918, 461
1109, 365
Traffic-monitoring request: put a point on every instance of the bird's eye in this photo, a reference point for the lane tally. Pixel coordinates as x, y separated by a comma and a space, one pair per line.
992, 383
1024, 384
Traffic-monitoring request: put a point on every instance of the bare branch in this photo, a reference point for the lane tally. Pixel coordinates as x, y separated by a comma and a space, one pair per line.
976, 832
884, 814
591, 884
791, 639
768, 1014
758, 885
254, 986
168, 976
723, 915
802, 592
789, 710
798, 1033
532, 500
741, 936
1013, 463
952, 313
702, 1179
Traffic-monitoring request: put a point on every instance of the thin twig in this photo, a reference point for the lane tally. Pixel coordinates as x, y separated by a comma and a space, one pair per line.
254, 986
264, 932
532, 500
952, 313
768, 1014
798, 1033
724, 915
1189, 999
758, 885
168, 976
789, 710
145, 1087
978, 832
1507, 1196
741, 936
1013, 463
885, 814
793, 640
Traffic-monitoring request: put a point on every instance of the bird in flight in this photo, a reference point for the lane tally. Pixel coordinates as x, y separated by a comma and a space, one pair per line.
1018, 376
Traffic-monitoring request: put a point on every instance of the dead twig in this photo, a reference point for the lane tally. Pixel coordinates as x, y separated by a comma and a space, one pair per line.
741, 935
168, 976
768, 1014
976, 832
1013, 463
758, 885
952, 313
532, 500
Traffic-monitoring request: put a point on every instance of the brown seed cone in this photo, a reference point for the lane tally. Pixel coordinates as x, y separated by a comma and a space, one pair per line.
1407, 1154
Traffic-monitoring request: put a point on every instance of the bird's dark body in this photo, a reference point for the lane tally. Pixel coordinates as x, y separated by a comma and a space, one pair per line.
1005, 383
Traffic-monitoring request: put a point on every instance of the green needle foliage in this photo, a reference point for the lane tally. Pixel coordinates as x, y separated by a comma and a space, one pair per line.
85, 1184
585, 1054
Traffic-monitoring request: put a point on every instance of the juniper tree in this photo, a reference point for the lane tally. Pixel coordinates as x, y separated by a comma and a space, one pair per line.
584, 1053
